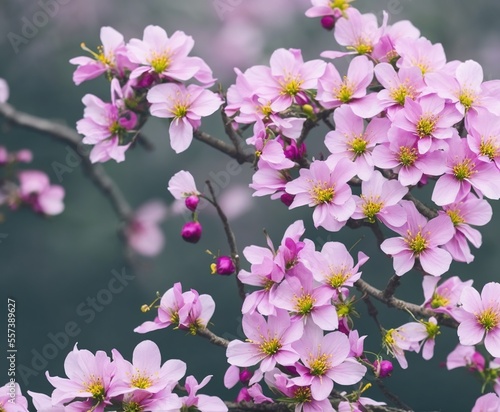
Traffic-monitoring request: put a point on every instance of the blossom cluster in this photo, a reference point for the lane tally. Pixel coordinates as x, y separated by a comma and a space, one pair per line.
96, 382
27, 187
147, 76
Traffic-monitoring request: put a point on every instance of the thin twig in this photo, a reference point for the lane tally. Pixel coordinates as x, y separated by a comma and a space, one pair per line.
391, 287
212, 337
224, 147
231, 240
392, 397
372, 310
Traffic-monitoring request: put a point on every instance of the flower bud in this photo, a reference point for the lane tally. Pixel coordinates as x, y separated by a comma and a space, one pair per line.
243, 395
328, 22
192, 202
383, 369
24, 156
191, 232
245, 375
223, 266
287, 198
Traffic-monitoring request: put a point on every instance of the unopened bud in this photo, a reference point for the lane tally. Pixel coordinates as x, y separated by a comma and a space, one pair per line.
191, 232
192, 202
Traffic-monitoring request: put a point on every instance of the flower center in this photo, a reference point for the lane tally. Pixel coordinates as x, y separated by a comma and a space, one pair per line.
116, 129
96, 388
439, 301
464, 170
141, 381
426, 126
320, 365
336, 280
467, 98
344, 92
399, 94
302, 394
322, 193
388, 339
340, 4
268, 284
488, 319
132, 407
371, 207
174, 317
358, 145
362, 46
291, 86
432, 329
180, 110
455, 216
407, 155
488, 148
266, 110
417, 243
160, 61
270, 347
304, 304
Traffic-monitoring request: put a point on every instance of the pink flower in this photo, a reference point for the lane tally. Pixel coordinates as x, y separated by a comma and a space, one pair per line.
90, 378
471, 210
487, 403
309, 304
111, 58
268, 342
420, 239
35, 190
484, 137
421, 53
465, 356
325, 360
328, 8
351, 140
404, 338
166, 57
182, 185
401, 155
481, 317
466, 89
429, 119
203, 403
445, 297
268, 181
380, 199
146, 374
143, 232
11, 398
463, 172
324, 187
185, 106
333, 91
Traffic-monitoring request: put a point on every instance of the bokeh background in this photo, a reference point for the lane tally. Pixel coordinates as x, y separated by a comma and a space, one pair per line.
52, 266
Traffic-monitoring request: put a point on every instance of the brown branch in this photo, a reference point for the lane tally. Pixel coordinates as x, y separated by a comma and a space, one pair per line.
393, 398
393, 302
231, 240
286, 407
428, 212
223, 147
212, 337
391, 287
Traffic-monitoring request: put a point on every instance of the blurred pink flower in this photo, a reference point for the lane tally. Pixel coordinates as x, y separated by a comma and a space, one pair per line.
35, 190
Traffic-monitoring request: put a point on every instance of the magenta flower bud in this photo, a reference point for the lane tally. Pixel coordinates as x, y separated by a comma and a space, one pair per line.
245, 375
192, 202
328, 22
191, 232
294, 152
287, 198
24, 156
477, 362
128, 120
383, 369
243, 395
224, 265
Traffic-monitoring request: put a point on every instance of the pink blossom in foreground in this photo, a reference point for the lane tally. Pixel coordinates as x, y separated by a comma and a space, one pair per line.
404, 338
203, 403
380, 199
4, 91
351, 140
182, 185
35, 190
268, 181
481, 317
333, 91
420, 53
443, 298
43, 403
324, 187
111, 57
268, 342
487, 403
430, 119
465, 89
401, 155
385, 49
484, 137
11, 398
325, 360
90, 377
328, 8
164, 56
287, 78
357, 32
464, 172
420, 239
185, 106
145, 374
309, 304
469, 211
143, 232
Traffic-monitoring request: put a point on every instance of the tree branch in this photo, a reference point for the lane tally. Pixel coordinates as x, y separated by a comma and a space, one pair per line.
212, 337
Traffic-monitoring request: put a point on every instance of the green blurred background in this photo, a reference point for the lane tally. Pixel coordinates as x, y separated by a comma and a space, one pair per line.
52, 266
